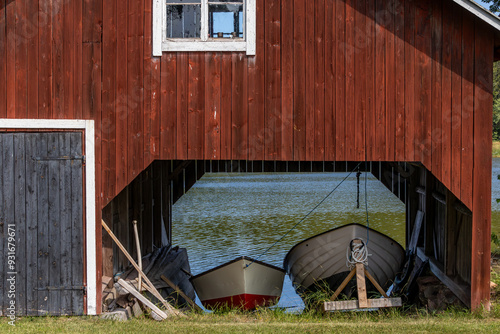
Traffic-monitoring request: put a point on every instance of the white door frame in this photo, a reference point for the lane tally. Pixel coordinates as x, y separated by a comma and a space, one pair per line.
90, 200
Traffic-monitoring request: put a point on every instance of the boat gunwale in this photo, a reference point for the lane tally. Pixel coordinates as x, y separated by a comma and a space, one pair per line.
240, 258
285, 261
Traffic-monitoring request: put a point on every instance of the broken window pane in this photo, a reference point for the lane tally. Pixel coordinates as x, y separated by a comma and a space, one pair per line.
225, 21
183, 21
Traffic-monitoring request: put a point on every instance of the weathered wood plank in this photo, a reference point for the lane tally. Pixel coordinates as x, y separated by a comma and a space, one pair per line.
226, 106
287, 12
45, 61
409, 79
168, 117
399, 60
212, 105
182, 106
3, 64
19, 205
68, 61
354, 304
77, 225
350, 73
340, 82
361, 284
380, 79
370, 81
21, 52
330, 88
309, 70
11, 37
57, 60
437, 59
390, 74
358, 152
446, 97
3, 226
319, 81
299, 83
196, 111
239, 108
78, 63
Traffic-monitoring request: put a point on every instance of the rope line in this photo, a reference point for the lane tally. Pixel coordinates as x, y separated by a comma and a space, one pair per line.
305, 217
358, 253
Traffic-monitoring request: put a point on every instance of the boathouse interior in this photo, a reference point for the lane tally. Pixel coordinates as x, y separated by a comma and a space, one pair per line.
405, 85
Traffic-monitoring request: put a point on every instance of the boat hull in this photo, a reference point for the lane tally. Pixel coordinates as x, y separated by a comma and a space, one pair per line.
242, 283
321, 260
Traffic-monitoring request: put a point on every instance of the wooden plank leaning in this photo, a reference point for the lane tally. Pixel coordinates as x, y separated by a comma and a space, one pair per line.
130, 288
183, 295
152, 289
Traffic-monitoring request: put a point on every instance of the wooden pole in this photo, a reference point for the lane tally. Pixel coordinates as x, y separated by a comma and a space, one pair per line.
139, 255
179, 291
170, 309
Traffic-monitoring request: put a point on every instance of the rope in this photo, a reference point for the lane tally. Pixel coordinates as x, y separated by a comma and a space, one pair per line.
358, 253
305, 217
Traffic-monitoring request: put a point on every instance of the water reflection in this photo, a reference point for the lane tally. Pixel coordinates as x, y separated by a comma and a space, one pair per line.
227, 215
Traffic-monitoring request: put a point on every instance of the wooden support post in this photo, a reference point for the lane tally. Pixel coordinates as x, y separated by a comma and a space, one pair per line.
343, 285
360, 278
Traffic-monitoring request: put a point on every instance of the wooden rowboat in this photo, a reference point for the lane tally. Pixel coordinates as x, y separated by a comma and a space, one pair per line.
235, 285
321, 260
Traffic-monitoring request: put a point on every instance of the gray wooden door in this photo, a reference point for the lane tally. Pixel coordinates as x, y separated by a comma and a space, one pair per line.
41, 205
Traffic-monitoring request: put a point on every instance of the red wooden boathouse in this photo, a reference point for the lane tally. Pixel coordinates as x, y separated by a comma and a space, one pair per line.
308, 85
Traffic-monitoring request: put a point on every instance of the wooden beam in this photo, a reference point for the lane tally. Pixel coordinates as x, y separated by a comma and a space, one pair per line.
343, 285
142, 299
360, 278
354, 304
183, 295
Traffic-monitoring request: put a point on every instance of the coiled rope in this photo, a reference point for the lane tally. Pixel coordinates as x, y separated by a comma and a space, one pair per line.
357, 252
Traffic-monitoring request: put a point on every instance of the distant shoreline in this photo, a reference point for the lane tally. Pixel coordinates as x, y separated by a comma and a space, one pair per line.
496, 149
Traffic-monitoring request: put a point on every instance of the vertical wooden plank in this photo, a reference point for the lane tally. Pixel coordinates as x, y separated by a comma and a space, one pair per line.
226, 106
409, 79
43, 229
196, 99
299, 83
182, 106
287, 13
350, 73
380, 79
370, 81
319, 81
256, 95
154, 145
122, 103
360, 77
77, 225
148, 123
19, 205
446, 97
390, 75
78, 65
467, 109
45, 60
437, 60
212, 103
239, 109
31, 224
108, 125
57, 60
481, 217
68, 60
65, 222
168, 106
309, 88
330, 88
10, 16
399, 28
21, 63
54, 224
456, 100
360, 280
3, 64
340, 82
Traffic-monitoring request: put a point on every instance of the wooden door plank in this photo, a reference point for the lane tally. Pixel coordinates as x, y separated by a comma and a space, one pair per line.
45, 61
182, 106
360, 78
309, 88
399, 60
196, 99
437, 60
121, 106
43, 229
390, 74
446, 97
239, 108
409, 80
456, 100
370, 81
350, 73
319, 81
340, 104
3, 64
19, 205
21, 52
77, 225
54, 224
299, 64
168, 106
226, 106
65, 222
380, 79
287, 80
481, 217
330, 88
467, 110
212, 105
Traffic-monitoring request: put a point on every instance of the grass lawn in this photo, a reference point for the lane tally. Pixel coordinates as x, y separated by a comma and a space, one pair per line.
266, 321
496, 149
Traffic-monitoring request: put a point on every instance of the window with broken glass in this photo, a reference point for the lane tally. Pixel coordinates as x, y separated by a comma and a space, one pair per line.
208, 25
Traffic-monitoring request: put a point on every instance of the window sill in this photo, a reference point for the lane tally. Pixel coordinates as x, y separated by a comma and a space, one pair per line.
213, 45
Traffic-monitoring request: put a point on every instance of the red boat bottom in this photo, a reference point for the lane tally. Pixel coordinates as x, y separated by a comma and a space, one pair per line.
243, 301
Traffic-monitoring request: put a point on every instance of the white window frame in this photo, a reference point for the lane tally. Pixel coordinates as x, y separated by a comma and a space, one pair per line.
204, 44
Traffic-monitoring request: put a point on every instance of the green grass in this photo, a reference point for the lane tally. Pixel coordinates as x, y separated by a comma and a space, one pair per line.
274, 321
496, 149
